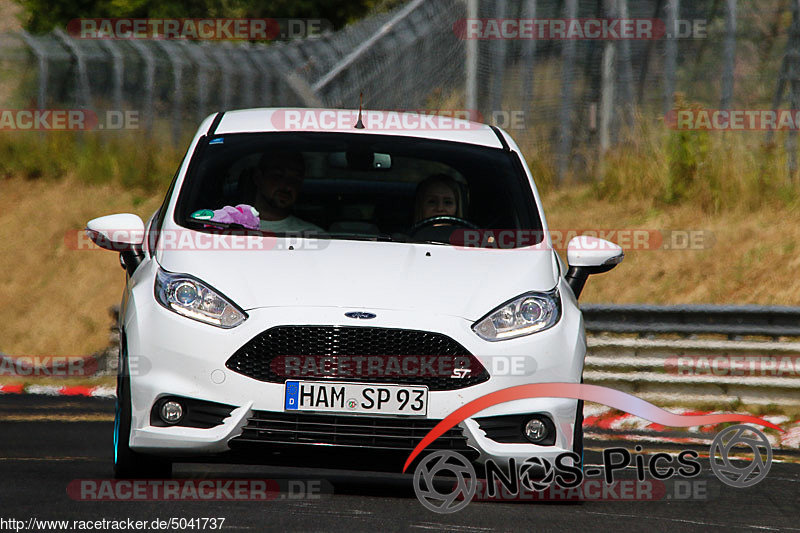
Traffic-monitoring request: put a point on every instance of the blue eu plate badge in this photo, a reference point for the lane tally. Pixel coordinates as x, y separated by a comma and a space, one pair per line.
292, 393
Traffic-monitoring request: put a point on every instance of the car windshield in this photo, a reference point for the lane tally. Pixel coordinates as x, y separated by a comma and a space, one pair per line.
360, 187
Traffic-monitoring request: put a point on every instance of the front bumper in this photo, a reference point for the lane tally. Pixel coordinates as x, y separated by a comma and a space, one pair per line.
172, 355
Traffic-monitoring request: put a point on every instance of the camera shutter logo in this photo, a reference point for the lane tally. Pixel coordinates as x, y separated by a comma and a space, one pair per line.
450, 464
536, 474
720, 455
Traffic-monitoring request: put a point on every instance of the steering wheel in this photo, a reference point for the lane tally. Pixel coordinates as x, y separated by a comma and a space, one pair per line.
442, 220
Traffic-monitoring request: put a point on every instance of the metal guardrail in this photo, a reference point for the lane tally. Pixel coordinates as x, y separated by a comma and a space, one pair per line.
697, 371
734, 321
640, 365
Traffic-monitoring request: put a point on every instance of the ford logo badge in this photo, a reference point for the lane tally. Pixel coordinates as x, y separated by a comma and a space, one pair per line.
359, 315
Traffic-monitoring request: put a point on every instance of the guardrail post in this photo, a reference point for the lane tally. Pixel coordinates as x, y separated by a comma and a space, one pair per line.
498, 63
471, 88
177, 88
41, 57
81, 78
567, 79
528, 63
729, 55
118, 66
195, 53
149, 81
670, 54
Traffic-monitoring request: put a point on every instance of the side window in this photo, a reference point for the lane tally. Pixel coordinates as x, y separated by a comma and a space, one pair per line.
154, 229
150, 242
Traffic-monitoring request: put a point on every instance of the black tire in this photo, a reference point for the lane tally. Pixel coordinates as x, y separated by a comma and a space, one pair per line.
577, 435
129, 464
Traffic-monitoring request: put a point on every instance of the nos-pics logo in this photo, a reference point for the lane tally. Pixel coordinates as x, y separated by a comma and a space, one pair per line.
446, 481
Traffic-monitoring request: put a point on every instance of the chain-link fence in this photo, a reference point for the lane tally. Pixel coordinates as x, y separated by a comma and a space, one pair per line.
572, 97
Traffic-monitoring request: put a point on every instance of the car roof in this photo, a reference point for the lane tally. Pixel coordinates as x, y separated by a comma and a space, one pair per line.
406, 124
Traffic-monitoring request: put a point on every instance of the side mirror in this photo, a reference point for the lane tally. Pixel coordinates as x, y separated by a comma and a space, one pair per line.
589, 255
123, 233
119, 233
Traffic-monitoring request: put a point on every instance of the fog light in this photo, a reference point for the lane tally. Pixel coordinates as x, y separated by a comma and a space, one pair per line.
535, 430
171, 412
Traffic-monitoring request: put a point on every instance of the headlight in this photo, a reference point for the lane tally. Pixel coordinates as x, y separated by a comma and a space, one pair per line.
192, 298
529, 313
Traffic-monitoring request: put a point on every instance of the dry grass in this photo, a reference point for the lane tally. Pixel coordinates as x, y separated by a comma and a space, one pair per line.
55, 298
753, 257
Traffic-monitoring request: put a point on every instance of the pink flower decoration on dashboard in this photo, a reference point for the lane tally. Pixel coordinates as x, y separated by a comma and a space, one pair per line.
243, 214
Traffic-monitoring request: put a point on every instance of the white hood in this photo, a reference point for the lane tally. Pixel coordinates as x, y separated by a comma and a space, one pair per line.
358, 275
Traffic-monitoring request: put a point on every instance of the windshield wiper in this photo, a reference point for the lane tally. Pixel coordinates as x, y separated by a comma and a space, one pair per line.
383, 237
220, 225
418, 241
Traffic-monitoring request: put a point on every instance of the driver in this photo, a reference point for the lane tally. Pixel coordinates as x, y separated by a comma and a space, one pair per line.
437, 195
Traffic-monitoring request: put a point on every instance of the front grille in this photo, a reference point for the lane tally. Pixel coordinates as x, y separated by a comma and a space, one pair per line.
347, 431
359, 354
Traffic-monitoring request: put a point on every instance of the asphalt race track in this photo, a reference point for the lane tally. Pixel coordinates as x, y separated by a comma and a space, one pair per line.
49, 442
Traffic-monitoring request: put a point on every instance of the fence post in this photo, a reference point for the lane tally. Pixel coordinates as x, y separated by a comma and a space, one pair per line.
149, 81
118, 64
607, 84
729, 55
226, 79
792, 71
794, 104
82, 78
199, 59
567, 77
670, 54
177, 89
247, 50
498, 63
471, 89
626, 72
528, 62
41, 58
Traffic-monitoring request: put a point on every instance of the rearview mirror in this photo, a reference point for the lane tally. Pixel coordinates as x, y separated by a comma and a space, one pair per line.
589, 255
360, 160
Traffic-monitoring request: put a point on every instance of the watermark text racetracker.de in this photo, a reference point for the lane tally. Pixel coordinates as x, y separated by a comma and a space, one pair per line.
67, 120
556, 29
197, 489
188, 240
207, 29
626, 238
396, 119
734, 365
48, 366
733, 119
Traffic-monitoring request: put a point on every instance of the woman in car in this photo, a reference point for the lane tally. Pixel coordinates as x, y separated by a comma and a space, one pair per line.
437, 195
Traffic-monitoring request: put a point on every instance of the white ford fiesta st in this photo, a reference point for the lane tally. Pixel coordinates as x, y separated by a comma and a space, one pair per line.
322, 287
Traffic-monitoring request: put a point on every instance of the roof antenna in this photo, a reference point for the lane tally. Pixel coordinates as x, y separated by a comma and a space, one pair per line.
359, 124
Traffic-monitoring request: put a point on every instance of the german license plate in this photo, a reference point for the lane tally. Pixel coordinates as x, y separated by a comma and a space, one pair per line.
355, 398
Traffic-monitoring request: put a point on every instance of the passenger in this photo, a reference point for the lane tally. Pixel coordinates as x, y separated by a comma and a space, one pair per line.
278, 179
